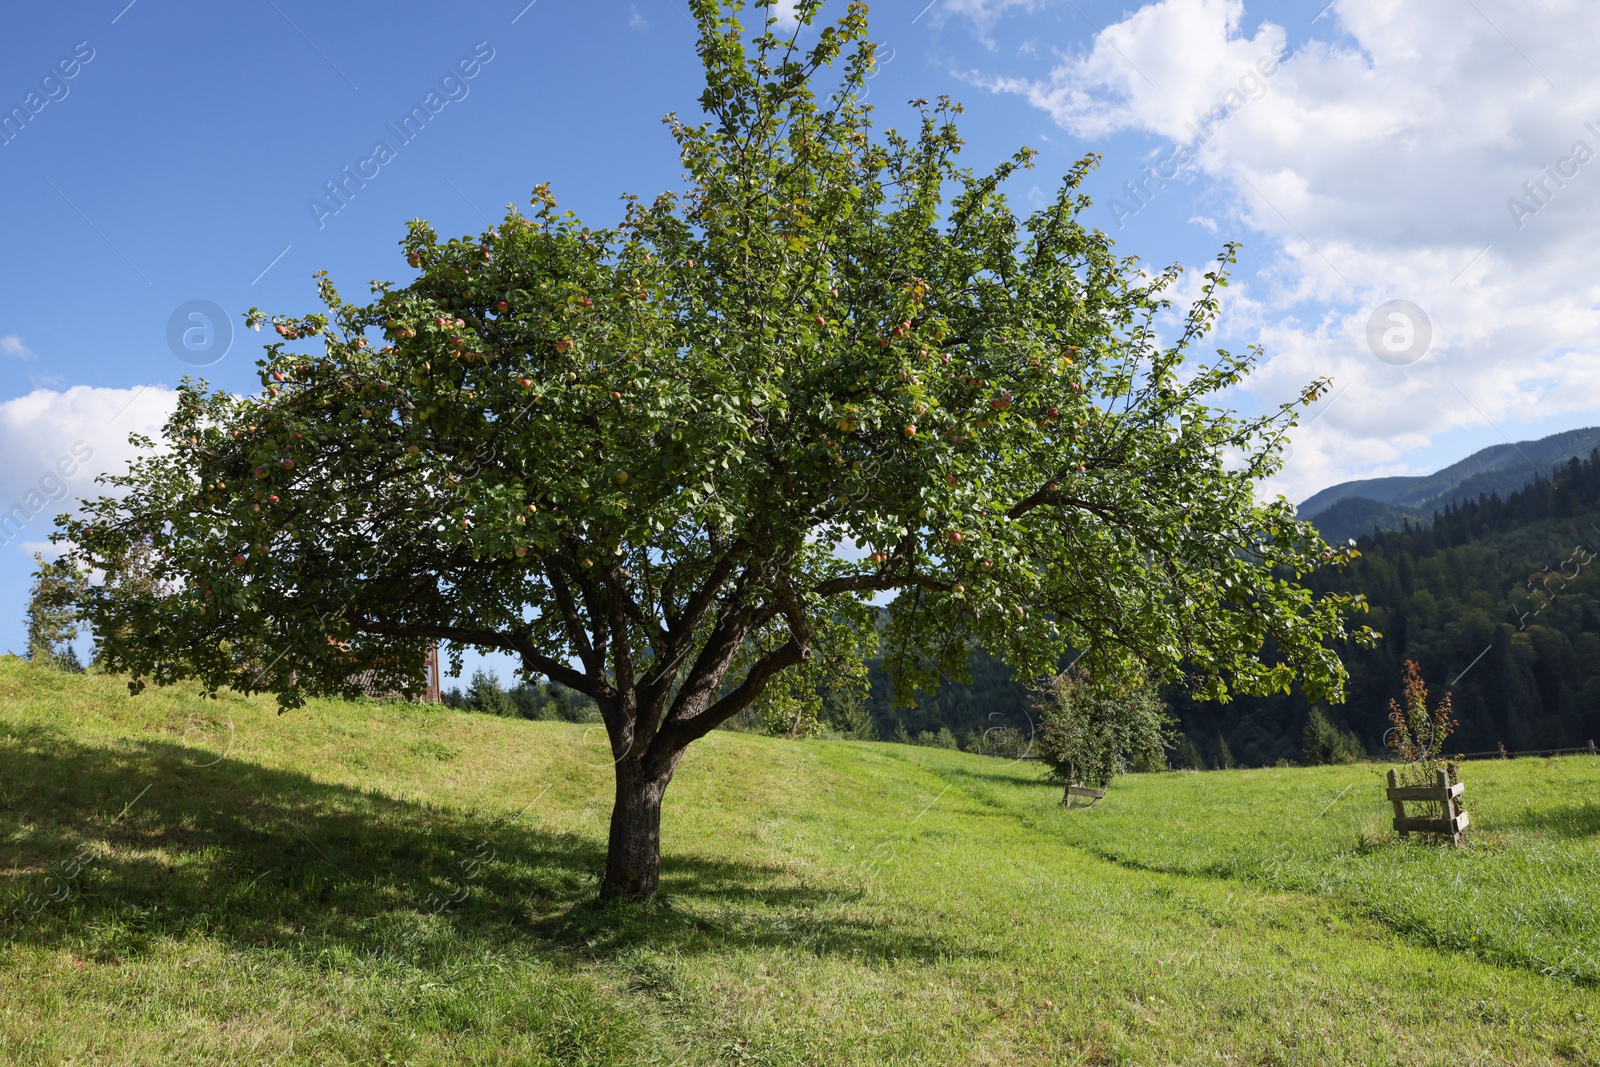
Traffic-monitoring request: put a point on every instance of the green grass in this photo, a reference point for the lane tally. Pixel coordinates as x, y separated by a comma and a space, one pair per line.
1525, 891
371, 883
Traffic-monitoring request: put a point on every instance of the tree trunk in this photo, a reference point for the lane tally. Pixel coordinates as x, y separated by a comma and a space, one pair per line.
633, 857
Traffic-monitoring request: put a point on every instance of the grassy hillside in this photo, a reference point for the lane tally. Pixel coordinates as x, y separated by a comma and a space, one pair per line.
193, 882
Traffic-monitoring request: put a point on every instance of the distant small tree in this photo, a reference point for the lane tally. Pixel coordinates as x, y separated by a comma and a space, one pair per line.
1092, 730
1187, 757
52, 614
486, 695
1417, 735
1325, 743
845, 712
1224, 754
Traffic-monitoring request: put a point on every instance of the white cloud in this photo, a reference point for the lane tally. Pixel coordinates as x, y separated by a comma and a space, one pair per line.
55, 443
982, 14
783, 11
1380, 165
637, 21
13, 346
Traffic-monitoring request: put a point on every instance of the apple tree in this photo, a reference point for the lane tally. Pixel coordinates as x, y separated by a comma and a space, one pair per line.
666, 462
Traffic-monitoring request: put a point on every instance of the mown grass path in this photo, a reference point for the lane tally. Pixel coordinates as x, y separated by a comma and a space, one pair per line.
362, 883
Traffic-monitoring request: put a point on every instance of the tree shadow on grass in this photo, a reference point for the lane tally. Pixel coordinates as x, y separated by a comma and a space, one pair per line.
1024, 778
107, 852
1568, 820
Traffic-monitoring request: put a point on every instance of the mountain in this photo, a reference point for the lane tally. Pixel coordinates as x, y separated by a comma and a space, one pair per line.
1352, 509
1498, 600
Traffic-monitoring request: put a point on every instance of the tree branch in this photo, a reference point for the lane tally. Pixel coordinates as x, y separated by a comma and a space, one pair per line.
675, 735
532, 658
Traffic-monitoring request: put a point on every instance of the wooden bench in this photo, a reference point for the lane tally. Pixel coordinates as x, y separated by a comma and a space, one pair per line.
1082, 791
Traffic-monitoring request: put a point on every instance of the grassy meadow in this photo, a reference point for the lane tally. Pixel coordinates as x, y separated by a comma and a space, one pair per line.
208, 882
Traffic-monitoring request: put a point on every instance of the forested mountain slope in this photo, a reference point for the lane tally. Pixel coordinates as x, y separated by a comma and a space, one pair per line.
1495, 598
1351, 509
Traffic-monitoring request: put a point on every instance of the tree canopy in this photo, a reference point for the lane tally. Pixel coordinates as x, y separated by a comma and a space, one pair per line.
665, 462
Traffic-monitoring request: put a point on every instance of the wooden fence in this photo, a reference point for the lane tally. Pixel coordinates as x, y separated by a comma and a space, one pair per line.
1453, 822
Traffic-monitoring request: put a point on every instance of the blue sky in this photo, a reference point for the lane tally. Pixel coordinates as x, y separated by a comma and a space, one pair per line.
179, 161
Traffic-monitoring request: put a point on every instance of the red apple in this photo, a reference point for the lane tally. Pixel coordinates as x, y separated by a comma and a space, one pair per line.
502, 306
616, 395
952, 479
988, 563
1055, 413
272, 499
260, 471
911, 431
955, 537
820, 321
240, 559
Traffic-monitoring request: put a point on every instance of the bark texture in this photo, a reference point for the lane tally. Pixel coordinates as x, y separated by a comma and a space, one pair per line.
633, 856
